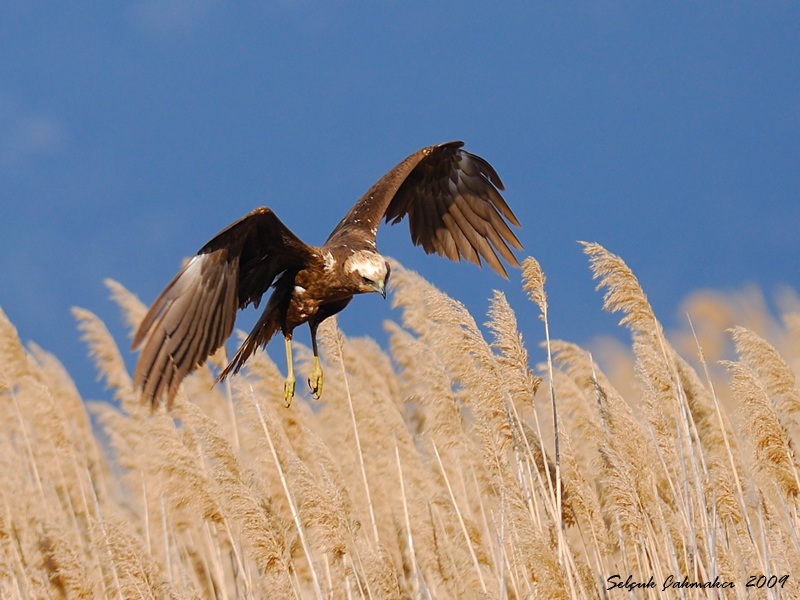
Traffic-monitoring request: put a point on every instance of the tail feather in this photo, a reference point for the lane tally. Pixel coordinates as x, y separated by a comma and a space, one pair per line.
266, 327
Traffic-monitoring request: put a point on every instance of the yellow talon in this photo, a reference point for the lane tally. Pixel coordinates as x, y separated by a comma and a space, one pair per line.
315, 379
288, 391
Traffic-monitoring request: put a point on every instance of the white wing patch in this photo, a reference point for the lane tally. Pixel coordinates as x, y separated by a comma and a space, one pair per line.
190, 273
329, 261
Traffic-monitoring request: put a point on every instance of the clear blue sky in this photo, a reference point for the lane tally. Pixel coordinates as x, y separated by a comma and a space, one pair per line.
132, 132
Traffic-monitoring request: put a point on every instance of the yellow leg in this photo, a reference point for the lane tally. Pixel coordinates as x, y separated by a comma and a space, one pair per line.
288, 387
315, 378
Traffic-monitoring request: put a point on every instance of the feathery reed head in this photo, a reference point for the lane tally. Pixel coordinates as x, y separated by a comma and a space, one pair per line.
426, 472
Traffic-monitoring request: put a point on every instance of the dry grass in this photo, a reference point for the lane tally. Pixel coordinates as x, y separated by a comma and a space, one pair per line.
441, 469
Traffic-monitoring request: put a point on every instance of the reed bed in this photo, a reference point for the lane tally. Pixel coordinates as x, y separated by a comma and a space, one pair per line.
444, 467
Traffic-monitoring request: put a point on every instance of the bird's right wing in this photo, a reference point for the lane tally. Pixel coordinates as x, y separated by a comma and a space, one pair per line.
194, 315
453, 204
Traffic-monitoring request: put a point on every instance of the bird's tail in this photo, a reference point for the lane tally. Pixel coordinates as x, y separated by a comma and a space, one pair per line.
266, 327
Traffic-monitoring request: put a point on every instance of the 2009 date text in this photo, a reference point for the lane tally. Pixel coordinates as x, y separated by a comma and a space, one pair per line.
761, 581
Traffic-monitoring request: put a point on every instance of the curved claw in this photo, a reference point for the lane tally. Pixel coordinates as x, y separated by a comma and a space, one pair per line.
315, 379
288, 391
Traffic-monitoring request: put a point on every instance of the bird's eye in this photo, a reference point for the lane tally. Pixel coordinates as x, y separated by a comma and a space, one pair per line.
367, 280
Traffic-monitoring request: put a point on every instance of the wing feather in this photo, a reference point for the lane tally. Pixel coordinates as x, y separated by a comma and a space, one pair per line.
465, 233
456, 223
195, 313
473, 229
445, 242
492, 227
448, 244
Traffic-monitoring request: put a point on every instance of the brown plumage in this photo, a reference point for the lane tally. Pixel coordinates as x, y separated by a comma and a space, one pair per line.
454, 208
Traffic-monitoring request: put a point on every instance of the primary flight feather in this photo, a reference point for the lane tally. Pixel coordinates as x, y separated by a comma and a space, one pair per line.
454, 208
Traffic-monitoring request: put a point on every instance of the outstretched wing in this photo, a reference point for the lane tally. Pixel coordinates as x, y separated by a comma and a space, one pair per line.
194, 314
453, 204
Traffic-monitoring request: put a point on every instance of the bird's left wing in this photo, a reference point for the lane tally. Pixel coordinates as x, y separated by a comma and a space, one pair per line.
194, 315
453, 204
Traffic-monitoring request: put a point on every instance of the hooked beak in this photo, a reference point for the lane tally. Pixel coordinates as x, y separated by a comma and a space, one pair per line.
380, 287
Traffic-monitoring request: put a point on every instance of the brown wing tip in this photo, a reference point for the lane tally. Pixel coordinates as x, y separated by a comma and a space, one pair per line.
497, 267
138, 338
151, 393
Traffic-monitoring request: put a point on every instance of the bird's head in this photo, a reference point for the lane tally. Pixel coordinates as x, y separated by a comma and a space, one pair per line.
368, 272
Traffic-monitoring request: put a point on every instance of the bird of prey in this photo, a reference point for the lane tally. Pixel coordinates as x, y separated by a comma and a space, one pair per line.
454, 208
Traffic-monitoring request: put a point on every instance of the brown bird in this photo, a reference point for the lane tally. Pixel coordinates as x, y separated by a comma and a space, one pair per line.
454, 208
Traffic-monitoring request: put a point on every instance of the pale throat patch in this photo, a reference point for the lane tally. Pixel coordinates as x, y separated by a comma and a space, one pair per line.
367, 264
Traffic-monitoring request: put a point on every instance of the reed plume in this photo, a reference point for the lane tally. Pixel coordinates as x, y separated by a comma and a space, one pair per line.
434, 469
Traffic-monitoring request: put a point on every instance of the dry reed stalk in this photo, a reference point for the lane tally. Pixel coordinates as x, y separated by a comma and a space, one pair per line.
711, 314
614, 416
522, 384
720, 449
533, 283
442, 336
725, 488
72, 411
622, 291
69, 477
161, 469
582, 503
263, 533
678, 451
661, 408
34, 497
13, 358
332, 339
417, 583
774, 460
373, 367
455, 337
266, 383
577, 364
774, 373
326, 509
513, 357
579, 405
52, 496
292, 504
436, 417
376, 421
470, 546
450, 332
214, 399
580, 418
68, 570
105, 353
133, 310
386, 433
431, 403
624, 294
136, 573
445, 444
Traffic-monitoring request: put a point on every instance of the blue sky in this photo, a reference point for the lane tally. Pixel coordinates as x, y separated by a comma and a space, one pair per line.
130, 133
